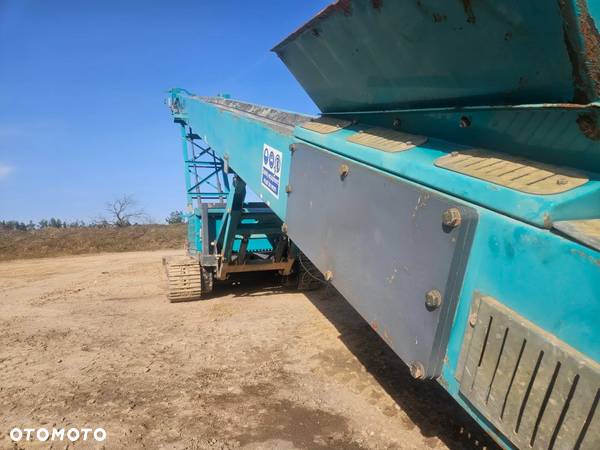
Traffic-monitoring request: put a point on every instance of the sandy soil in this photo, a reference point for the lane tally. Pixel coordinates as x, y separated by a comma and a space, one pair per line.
91, 341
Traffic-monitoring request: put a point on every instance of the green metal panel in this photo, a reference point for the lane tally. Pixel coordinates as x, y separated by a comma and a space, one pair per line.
374, 55
539, 275
257, 242
417, 165
557, 134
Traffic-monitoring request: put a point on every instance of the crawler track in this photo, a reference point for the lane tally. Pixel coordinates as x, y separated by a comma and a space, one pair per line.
184, 276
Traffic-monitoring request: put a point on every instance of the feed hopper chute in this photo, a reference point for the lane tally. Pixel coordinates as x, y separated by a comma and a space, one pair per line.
381, 55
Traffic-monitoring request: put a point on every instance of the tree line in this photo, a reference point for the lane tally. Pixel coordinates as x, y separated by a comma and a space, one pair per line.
44, 223
121, 212
15, 225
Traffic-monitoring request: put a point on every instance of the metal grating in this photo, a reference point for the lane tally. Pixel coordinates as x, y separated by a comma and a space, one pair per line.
326, 125
512, 172
585, 231
539, 392
387, 140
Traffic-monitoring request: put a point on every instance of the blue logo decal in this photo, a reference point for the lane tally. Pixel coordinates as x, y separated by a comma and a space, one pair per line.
271, 159
277, 164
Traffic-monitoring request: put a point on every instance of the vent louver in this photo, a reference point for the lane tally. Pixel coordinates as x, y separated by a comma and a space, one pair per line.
538, 391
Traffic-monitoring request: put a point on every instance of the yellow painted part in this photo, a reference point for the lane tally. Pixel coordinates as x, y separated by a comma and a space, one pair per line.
589, 228
387, 140
512, 172
326, 125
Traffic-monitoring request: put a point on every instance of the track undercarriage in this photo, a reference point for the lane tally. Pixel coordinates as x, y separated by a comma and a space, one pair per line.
226, 234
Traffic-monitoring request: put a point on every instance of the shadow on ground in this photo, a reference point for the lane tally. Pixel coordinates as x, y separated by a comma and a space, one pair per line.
426, 403
253, 284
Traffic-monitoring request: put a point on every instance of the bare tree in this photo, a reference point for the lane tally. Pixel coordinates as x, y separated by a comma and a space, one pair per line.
124, 210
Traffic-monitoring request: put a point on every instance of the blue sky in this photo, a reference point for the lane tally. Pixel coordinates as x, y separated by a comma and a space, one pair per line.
82, 88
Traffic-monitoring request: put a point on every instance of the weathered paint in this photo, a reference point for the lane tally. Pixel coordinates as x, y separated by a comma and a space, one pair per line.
552, 133
417, 164
438, 53
515, 77
549, 280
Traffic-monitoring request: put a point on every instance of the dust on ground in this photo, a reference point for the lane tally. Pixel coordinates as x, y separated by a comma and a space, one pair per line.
91, 341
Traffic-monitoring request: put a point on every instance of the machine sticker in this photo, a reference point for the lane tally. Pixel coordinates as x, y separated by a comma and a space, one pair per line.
271, 169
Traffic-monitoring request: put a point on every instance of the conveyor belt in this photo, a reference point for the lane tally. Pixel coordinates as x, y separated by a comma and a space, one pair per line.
283, 120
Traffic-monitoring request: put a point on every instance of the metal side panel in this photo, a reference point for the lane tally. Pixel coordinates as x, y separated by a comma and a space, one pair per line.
383, 241
539, 392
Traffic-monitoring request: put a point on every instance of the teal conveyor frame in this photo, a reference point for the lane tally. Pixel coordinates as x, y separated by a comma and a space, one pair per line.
499, 286
226, 233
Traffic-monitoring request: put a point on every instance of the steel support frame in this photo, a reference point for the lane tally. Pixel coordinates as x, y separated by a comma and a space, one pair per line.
219, 218
241, 222
206, 184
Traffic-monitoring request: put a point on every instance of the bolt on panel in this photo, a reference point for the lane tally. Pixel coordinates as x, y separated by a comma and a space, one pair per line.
390, 247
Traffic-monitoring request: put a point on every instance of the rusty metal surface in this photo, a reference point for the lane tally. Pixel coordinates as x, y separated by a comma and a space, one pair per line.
284, 266
387, 140
538, 391
512, 172
584, 231
382, 243
582, 42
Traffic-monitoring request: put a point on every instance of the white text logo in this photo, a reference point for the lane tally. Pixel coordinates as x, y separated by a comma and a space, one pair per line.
57, 434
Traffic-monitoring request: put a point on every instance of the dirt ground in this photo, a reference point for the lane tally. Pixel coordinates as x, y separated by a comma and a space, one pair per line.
91, 341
